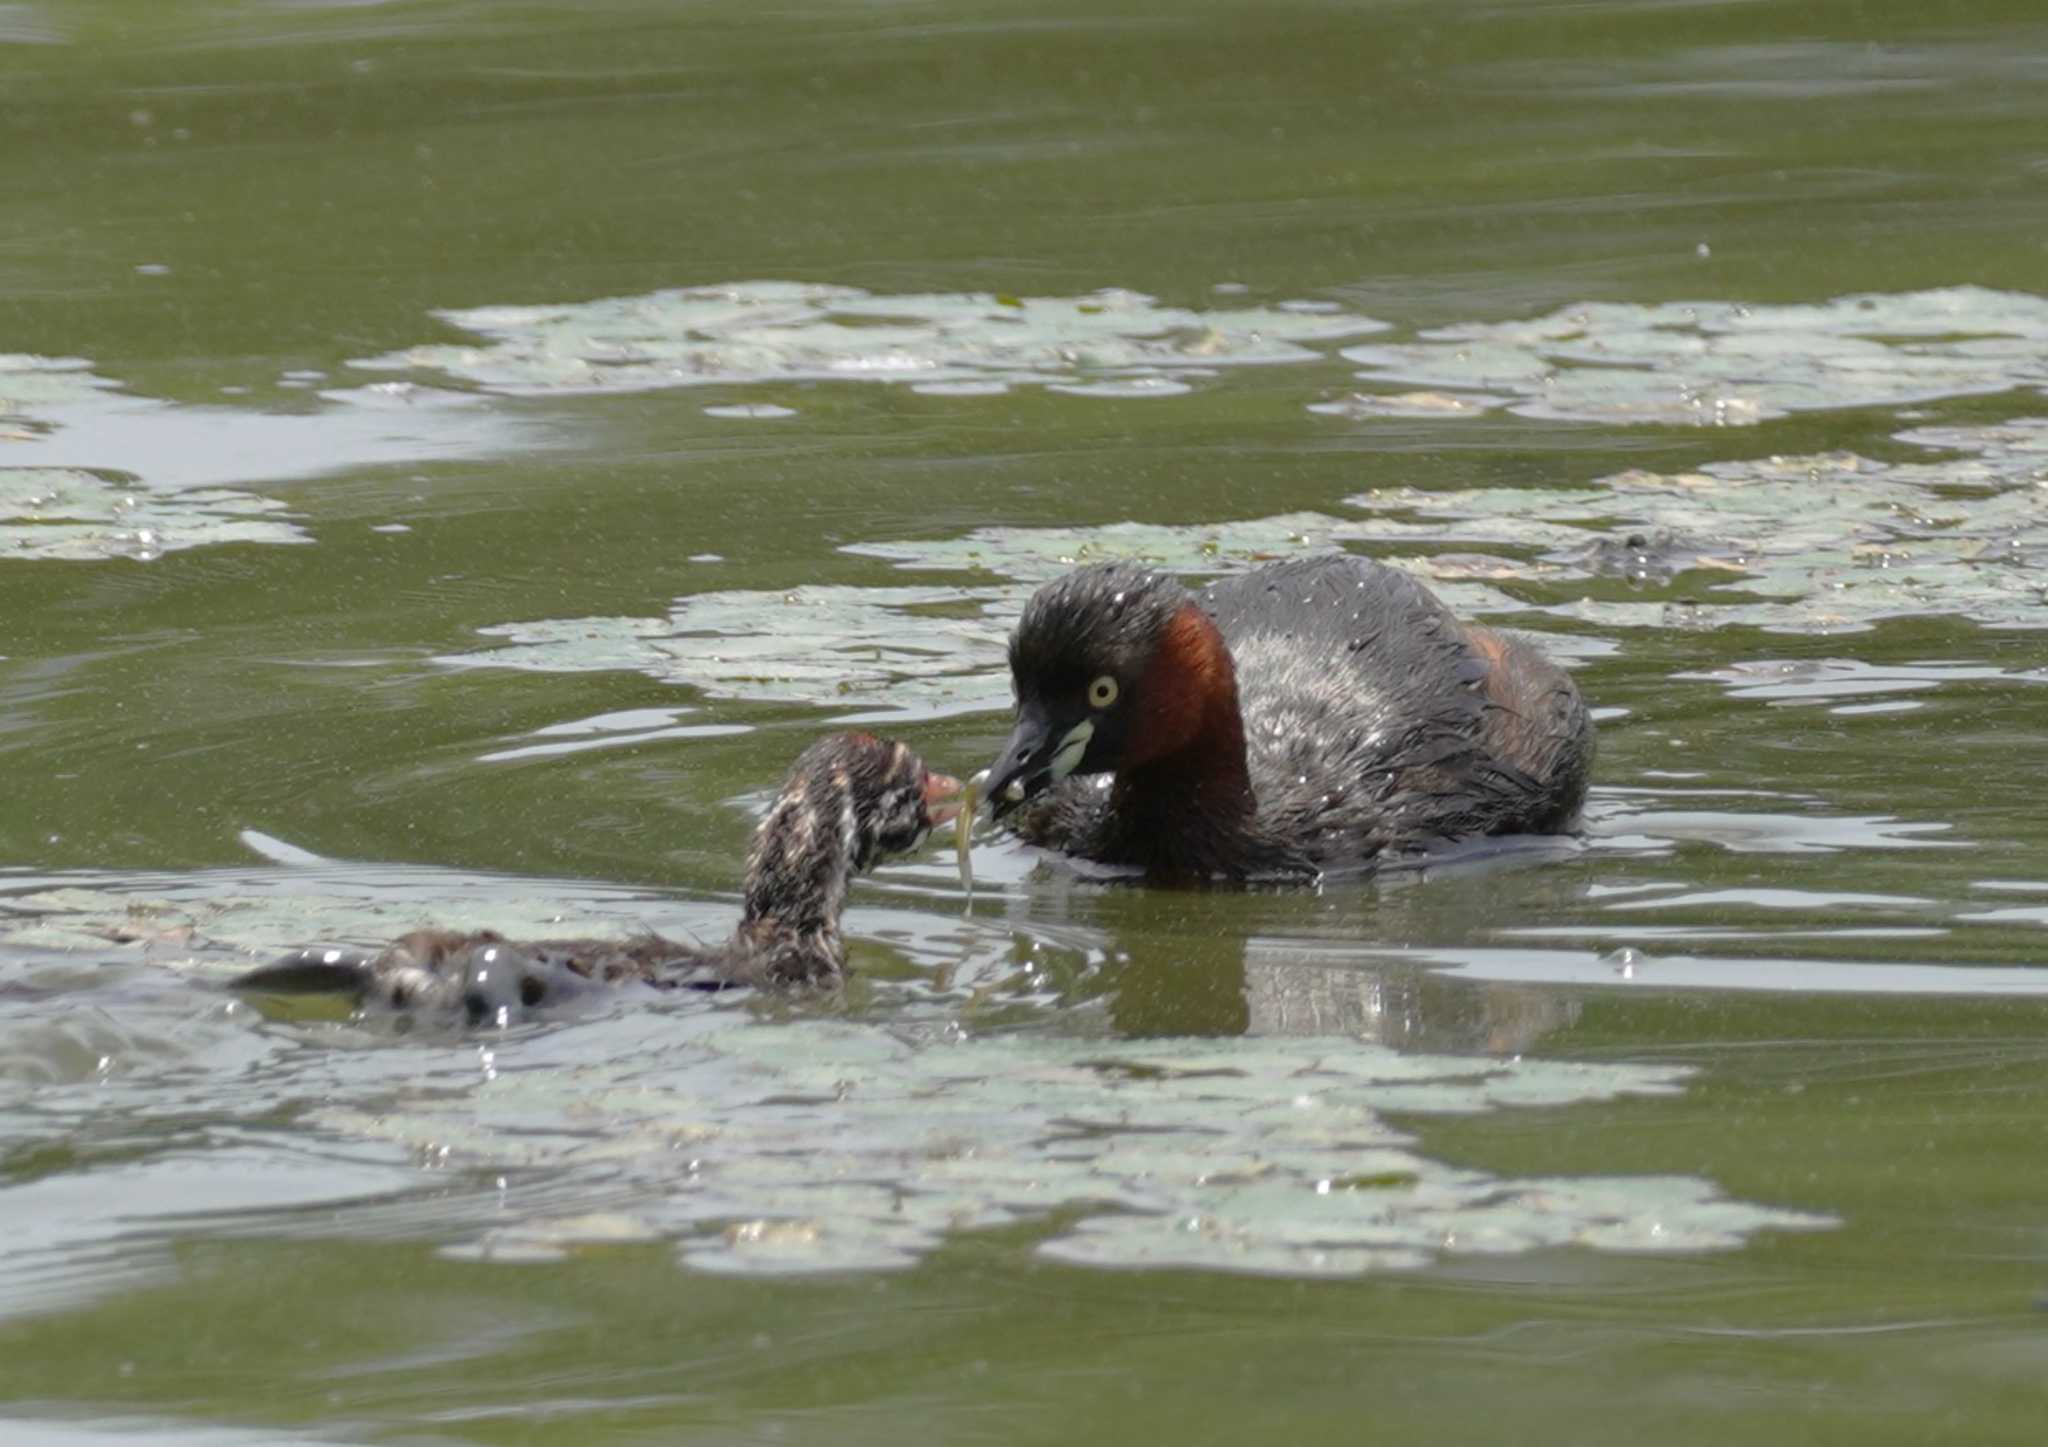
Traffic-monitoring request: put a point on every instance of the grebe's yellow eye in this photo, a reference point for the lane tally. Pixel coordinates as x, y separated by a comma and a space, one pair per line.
1102, 692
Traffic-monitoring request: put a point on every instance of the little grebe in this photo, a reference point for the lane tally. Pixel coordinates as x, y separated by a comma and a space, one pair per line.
848, 800
1306, 717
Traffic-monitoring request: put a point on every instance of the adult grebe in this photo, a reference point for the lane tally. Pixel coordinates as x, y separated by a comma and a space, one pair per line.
1303, 718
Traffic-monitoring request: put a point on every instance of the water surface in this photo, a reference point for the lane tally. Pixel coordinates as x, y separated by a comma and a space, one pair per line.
453, 457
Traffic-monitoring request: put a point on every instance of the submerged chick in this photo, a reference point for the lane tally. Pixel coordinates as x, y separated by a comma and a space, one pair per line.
849, 800
1302, 718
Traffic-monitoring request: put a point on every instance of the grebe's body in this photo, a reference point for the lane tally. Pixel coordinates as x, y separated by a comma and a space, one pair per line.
1302, 719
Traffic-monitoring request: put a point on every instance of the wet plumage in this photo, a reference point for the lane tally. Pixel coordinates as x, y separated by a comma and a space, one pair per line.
1304, 718
849, 800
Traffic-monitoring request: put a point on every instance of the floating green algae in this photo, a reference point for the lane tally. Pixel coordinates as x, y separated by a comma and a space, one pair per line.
30, 384
880, 648
1110, 343
50, 512
1725, 364
259, 915
927, 651
1034, 555
1706, 363
1831, 542
816, 1146
89, 472
1822, 543
784, 1141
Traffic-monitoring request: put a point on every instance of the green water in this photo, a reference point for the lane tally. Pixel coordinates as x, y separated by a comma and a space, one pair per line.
231, 1229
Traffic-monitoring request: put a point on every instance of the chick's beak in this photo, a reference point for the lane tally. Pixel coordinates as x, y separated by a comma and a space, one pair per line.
937, 788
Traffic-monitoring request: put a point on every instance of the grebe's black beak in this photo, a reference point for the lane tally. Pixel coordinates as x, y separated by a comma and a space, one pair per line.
1042, 750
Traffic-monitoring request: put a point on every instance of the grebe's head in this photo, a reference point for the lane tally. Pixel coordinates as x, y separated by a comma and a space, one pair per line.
1113, 665
896, 799
849, 800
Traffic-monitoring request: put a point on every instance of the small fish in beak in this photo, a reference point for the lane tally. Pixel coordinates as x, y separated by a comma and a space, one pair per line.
963, 828
1041, 751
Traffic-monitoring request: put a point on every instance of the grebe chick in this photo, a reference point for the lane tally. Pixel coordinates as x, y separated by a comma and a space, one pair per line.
1304, 718
849, 800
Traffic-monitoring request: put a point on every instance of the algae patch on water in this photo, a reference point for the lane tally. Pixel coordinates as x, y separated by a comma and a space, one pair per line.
1109, 343
800, 1144
1720, 363
875, 651
30, 384
1830, 542
235, 916
1819, 543
74, 513
881, 652
815, 1146
50, 512
1704, 363
91, 472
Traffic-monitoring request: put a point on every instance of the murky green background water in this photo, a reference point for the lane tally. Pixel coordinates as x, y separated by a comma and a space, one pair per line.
1816, 876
